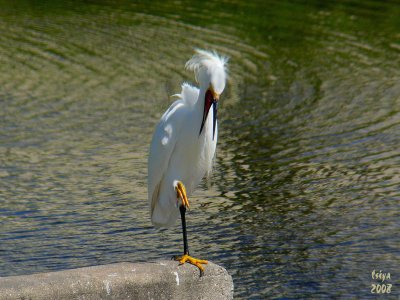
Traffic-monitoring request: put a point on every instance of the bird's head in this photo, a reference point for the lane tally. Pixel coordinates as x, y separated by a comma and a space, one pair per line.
210, 71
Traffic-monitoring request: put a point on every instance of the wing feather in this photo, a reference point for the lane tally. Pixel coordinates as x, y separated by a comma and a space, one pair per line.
164, 141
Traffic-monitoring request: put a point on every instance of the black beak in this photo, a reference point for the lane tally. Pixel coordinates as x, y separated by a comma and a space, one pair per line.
215, 110
208, 101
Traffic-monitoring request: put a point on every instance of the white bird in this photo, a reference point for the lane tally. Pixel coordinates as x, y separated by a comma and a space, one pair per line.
183, 145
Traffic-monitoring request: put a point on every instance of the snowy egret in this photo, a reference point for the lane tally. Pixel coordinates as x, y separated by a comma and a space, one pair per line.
183, 145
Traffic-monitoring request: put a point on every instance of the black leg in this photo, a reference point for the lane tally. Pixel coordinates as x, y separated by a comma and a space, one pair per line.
182, 209
186, 257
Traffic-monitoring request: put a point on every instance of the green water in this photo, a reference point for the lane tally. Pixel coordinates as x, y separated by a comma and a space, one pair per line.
304, 198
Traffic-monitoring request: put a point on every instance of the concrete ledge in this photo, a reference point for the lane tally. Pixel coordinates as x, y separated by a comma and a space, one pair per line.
158, 280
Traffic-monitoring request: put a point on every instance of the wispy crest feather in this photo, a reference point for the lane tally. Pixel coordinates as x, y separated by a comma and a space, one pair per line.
206, 59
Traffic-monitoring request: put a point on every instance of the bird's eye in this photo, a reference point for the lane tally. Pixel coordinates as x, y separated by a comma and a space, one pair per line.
215, 95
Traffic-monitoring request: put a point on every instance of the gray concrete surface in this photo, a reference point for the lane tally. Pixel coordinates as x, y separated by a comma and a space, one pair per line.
158, 280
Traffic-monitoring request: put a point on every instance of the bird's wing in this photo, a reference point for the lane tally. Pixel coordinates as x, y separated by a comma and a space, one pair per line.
164, 140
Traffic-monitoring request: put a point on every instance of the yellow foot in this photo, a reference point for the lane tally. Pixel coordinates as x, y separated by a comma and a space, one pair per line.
194, 261
181, 194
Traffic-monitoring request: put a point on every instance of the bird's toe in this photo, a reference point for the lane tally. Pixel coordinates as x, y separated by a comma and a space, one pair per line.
186, 258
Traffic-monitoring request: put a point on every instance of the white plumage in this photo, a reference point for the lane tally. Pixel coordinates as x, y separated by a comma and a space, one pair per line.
178, 151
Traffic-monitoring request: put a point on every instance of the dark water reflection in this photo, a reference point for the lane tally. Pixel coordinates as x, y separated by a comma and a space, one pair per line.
304, 200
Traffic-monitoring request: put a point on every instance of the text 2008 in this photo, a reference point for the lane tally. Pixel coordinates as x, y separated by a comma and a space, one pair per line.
381, 288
